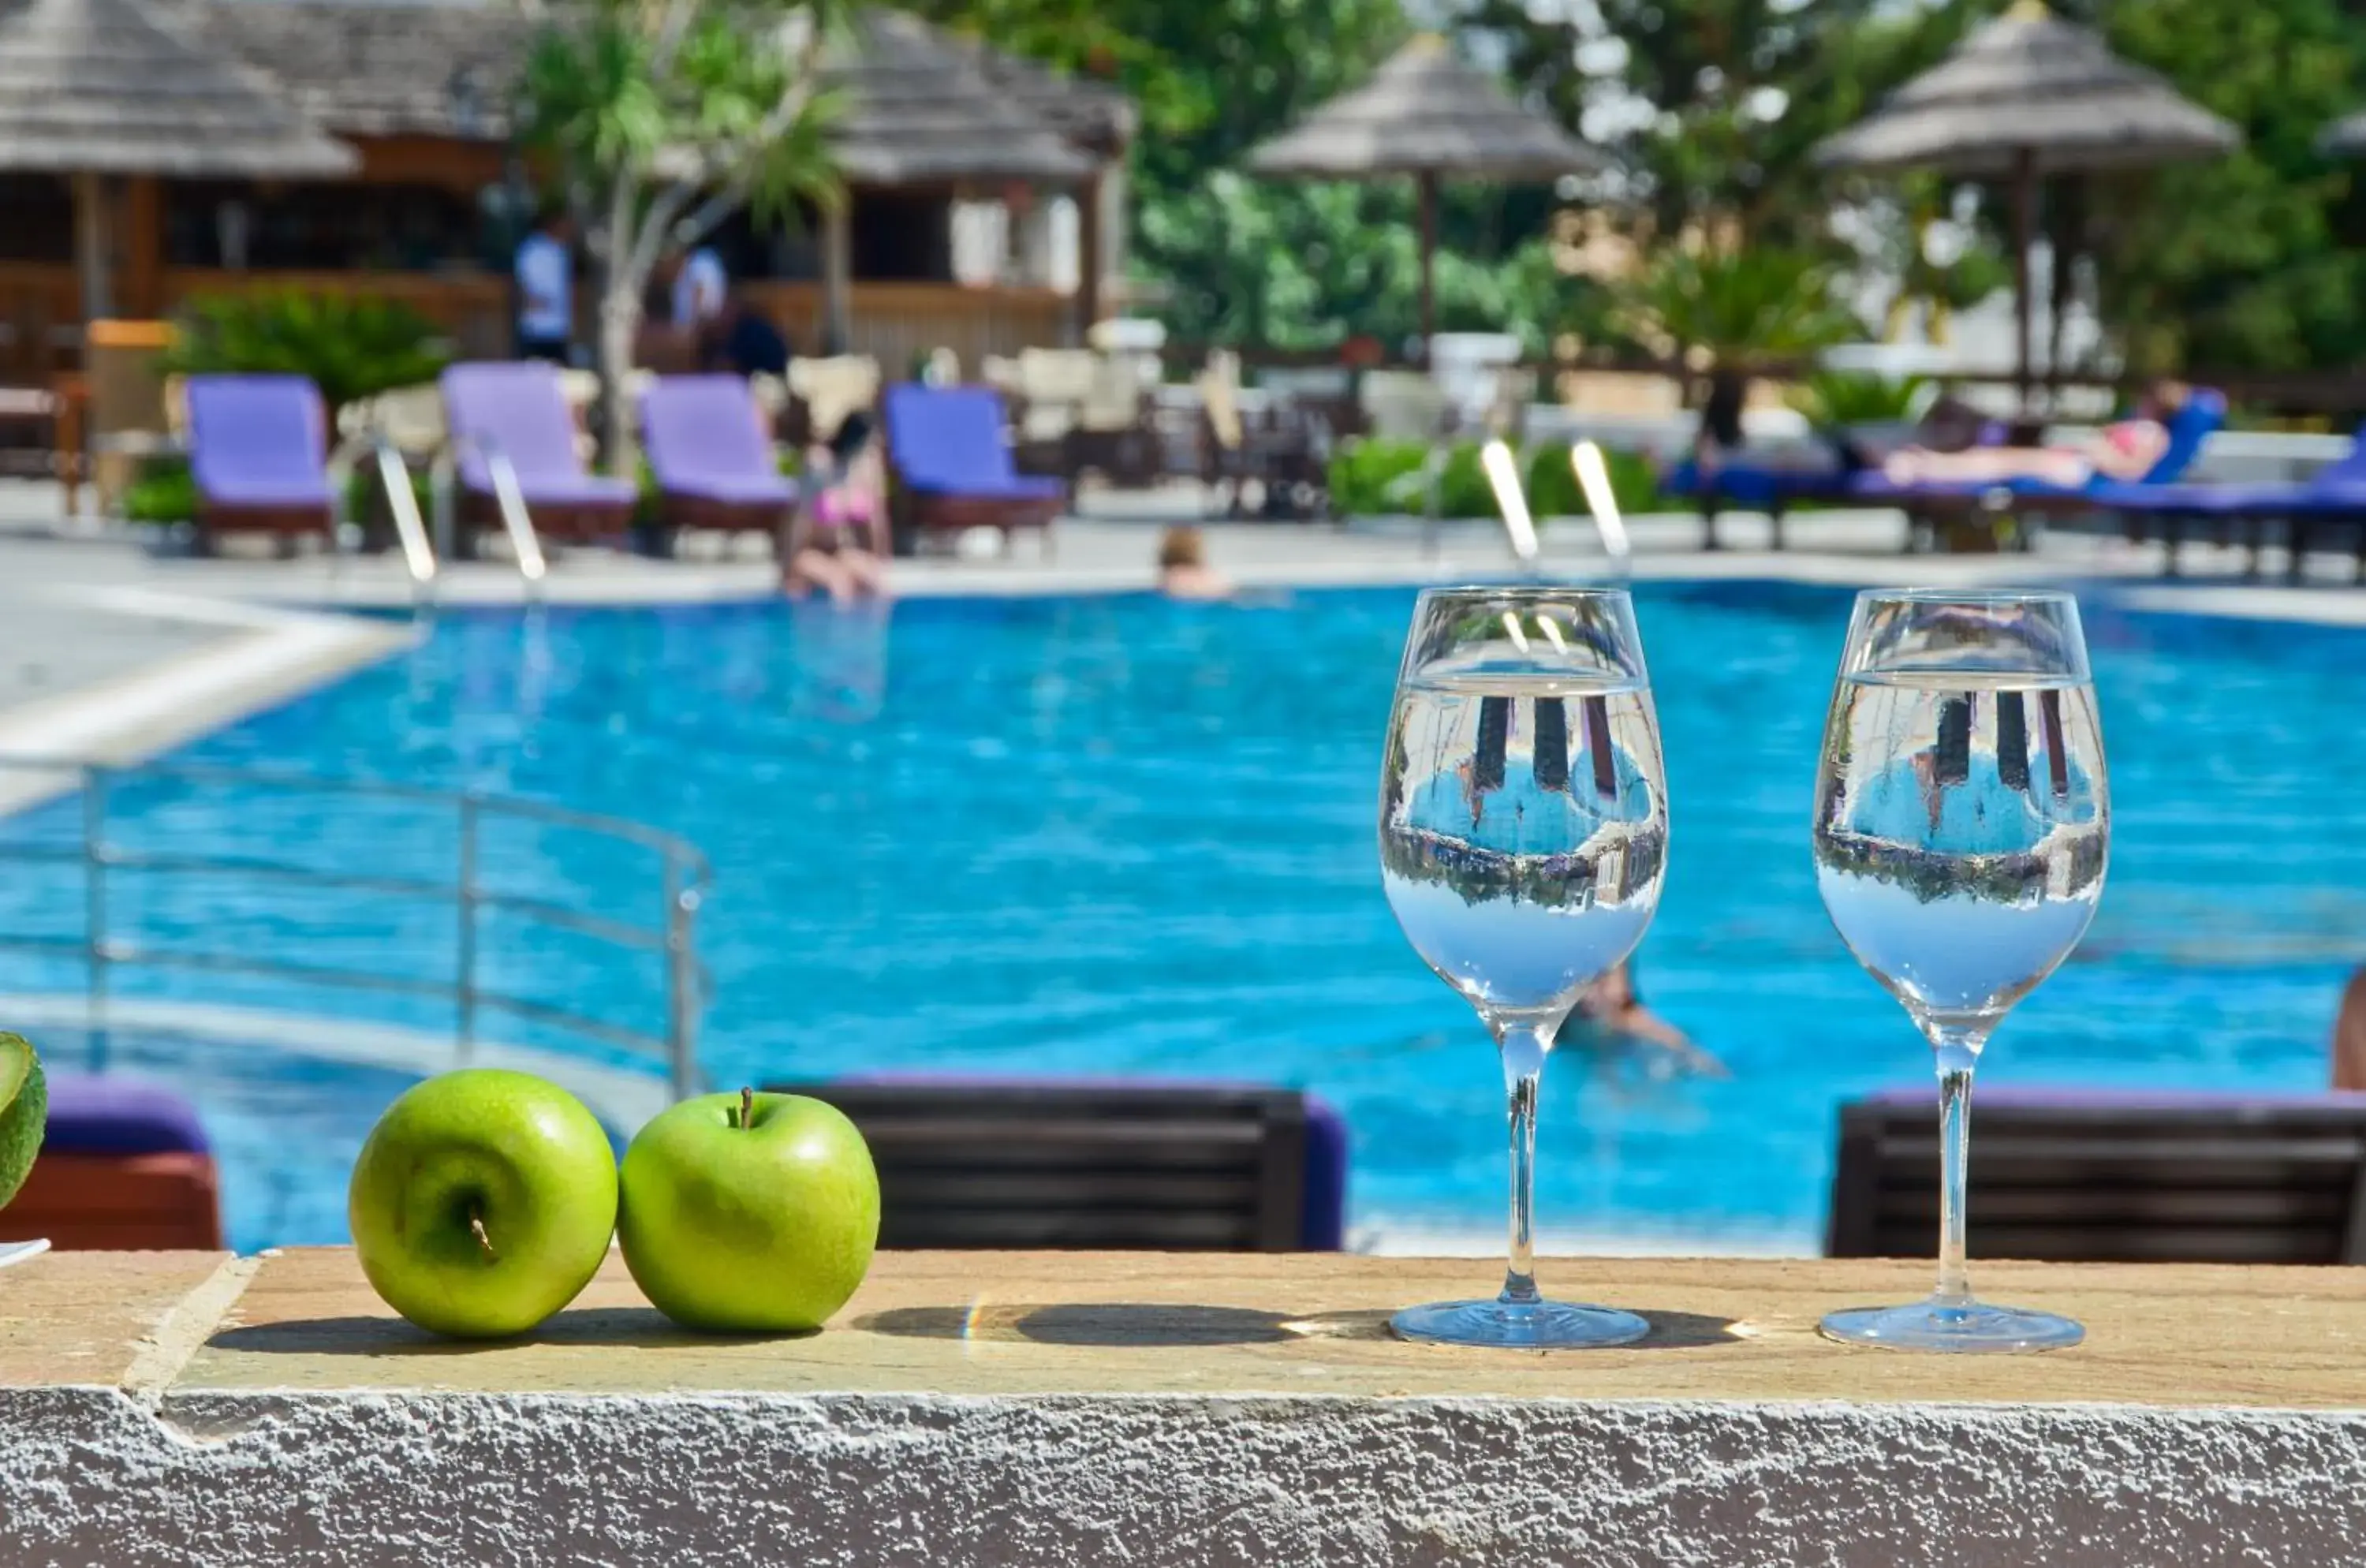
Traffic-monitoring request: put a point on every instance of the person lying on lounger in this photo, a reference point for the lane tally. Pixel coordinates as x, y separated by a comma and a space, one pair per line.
2128, 449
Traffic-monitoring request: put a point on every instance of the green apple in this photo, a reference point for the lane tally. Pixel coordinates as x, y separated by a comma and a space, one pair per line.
749, 1214
483, 1203
24, 1111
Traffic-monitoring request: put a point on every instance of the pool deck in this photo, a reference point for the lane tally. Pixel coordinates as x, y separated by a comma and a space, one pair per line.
1092, 1408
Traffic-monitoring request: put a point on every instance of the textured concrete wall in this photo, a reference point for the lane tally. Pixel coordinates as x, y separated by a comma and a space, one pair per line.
94, 1476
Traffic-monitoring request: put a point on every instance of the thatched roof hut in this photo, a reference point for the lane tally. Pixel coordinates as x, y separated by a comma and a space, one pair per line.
103, 86
91, 88
917, 110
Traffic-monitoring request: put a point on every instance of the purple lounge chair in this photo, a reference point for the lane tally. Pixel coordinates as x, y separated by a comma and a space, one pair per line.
518, 409
2110, 1176
258, 451
1099, 1164
953, 468
711, 453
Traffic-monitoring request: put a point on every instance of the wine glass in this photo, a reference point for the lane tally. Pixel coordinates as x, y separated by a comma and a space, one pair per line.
1524, 828
1961, 826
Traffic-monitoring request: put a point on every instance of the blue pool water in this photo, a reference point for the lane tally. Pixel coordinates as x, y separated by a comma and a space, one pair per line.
1116, 835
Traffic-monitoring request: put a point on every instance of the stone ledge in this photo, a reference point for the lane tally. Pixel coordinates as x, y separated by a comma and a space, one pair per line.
1122, 1408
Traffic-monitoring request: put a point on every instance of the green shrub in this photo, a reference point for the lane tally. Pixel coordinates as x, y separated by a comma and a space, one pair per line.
1372, 478
350, 348
1831, 398
1367, 477
165, 492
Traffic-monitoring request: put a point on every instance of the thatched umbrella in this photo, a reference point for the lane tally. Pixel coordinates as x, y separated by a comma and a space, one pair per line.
90, 89
1431, 115
2025, 95
916, 109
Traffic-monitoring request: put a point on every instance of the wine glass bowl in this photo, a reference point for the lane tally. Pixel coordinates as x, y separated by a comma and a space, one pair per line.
1523, 842
1962, 830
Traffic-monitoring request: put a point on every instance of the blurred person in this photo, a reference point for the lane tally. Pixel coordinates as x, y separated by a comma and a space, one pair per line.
745, 342
1610, 1013
2127, 450
700, 287
2349, 1035
839, 542
1183, 570
1720, 437
544, 266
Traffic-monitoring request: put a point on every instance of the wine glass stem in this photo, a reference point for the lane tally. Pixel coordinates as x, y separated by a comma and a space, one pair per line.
1524, 1048
1958, 1055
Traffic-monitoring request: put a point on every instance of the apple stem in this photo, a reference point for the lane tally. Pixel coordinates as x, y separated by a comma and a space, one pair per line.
747, 1109
476, 1227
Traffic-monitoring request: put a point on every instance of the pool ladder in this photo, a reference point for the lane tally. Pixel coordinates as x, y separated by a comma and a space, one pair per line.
422, 552
1504, 467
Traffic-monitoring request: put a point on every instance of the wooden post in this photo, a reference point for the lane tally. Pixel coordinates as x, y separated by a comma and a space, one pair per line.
142, 290
2024, 226
1089, 254
837, 270
1426, 189
90, 245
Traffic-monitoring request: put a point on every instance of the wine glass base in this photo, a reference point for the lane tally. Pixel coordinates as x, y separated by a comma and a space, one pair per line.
1978, 1327
1518, 1325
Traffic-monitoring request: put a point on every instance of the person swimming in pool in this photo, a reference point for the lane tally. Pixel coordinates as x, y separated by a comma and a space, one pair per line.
1610, 1015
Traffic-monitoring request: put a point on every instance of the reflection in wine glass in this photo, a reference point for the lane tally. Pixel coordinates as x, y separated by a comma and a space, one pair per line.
1961, 830
1523, 840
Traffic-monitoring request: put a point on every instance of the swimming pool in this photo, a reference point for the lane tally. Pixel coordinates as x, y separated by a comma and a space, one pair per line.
1118, 835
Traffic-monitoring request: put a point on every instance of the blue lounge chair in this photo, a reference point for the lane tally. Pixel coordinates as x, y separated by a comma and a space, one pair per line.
952, 467
2333, 497
258, 451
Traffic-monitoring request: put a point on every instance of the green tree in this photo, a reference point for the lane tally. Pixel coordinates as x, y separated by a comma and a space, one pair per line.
1715, 107
663, 118
2251, 260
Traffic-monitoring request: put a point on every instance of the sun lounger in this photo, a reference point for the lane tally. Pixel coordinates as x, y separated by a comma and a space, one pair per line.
2333, 498
1111, 1164
2107, 1176
952, 467
1931, 505
710, 450
259, 453
518, 411
124, 1166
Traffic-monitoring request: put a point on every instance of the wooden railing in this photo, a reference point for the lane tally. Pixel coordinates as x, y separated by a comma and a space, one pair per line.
471, 307
41, 316
893, 322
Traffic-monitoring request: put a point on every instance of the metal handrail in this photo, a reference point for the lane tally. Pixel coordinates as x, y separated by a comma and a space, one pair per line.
686, 876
